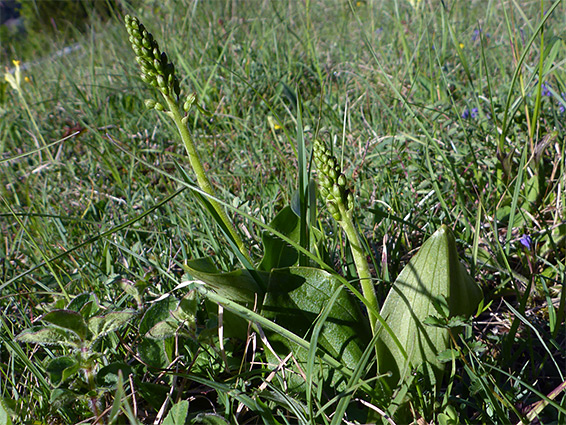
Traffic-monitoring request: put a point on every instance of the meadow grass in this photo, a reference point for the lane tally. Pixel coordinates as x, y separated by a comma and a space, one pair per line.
439, 115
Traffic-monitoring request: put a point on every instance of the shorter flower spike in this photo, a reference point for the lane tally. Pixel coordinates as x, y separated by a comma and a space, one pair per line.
340, 204
332, 182
156, 70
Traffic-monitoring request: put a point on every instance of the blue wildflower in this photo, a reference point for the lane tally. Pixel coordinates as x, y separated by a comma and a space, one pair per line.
477, 34
526, 241
546, 89
470, 113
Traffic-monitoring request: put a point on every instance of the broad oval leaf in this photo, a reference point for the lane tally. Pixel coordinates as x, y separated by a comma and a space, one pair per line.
153, 353
434, 283
85, 303
107, 376
295, 298
178, 414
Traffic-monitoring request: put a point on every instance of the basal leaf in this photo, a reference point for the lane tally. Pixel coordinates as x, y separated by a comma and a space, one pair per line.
434, 283
186, 311
108, 375
153, 353
5, 417
85, 303
208, 419
163, 329
67, 319
295, 298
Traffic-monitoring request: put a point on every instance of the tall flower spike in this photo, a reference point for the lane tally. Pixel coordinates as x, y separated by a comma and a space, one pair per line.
156, 70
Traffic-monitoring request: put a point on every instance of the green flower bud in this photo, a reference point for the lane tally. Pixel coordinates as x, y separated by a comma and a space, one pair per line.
159, 107
189, 102
150, 104
336, 191
146, 42
332, 208
350, 201
161, 81
156, 69
146, 79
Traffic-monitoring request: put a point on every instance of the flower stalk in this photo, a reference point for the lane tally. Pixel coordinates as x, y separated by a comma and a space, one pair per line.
158, 72
340, 204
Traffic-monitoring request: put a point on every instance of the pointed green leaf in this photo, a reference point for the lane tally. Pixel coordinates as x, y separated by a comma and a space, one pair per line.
49, 336
209, 419
153, 353
163, 329
434, 283
187, 309
5, 416
85, 303
178, 414
67, 319
108, 376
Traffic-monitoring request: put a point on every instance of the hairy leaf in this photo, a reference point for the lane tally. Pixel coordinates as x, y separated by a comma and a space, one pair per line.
49, 336
69, 320
110, 322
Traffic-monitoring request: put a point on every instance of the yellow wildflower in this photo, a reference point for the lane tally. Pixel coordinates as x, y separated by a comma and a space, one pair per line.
14, 79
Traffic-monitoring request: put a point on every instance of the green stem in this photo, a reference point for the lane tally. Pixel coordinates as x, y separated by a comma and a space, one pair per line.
35, 126
202, 179
361, 263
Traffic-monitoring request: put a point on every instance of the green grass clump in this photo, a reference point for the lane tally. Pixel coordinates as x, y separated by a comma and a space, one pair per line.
437, 115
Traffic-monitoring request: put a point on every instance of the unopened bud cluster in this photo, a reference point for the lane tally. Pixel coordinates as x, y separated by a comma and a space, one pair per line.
332, 182
156, 69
